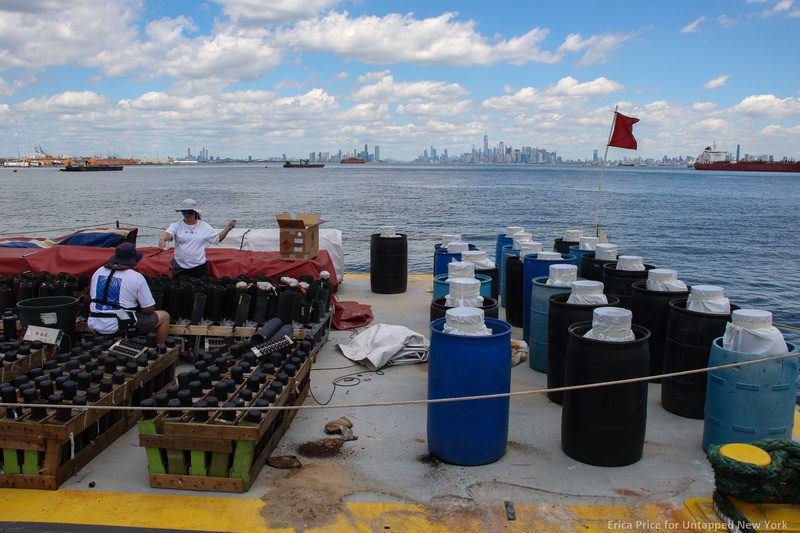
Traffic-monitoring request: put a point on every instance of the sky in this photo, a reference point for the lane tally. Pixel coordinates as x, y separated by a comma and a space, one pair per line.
267, 78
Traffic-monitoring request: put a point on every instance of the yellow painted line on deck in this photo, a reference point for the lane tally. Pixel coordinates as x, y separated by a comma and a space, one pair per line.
240, 515
796, 429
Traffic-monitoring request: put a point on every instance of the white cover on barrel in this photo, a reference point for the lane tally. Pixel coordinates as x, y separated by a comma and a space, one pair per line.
664, 280
464, 292
388, 232
520, 237
605, 251
548, 256
588, 243
587, 292
478, 258
530, 247
562, 275
460, 269
611, 324
465, 321
457, 247
708, 299
511, 230
448, 238
572, 235
630, 262
751, 331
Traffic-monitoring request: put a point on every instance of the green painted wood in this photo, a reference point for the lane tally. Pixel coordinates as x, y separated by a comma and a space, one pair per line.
219, 464
197, 463
176, 462
155, 462
11, 461
242, 461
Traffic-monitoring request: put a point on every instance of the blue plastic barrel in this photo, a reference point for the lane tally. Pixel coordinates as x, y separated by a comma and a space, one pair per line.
441, 287
441, 258
504, 255
578, 253
539, 313
502, 240
469, 432
534, 268
750, 402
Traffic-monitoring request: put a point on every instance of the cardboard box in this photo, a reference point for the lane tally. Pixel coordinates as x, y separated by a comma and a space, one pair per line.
299, 237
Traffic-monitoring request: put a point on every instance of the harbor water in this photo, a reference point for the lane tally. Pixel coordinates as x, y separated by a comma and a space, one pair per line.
737, 230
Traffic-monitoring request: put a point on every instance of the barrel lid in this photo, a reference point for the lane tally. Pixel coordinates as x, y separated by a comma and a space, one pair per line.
530, 247
548, 256
708, 291
457, 247
751, 318
662, 274
746, 453
511, 230
447, 238
572, 235
587, 286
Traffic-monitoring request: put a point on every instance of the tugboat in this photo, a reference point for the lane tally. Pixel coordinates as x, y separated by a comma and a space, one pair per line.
87, 166
302, 163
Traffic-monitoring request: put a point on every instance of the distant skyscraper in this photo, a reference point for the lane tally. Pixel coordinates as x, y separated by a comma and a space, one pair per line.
366, 152
377, 153
485, 146
594, 157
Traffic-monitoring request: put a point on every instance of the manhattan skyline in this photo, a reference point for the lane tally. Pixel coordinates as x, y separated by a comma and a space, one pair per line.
258, 78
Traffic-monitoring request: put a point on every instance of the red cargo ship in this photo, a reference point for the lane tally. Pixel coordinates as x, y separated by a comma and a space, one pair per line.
713, 159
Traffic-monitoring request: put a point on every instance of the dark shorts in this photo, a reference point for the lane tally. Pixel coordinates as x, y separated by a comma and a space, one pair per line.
146, 322
197, 272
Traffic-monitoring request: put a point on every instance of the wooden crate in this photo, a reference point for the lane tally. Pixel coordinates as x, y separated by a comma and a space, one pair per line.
11, 370
215, 455
42, 454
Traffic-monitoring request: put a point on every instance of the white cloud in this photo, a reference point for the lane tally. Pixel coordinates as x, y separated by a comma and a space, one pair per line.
767, 106
568, 92
438, 41
596, 48
255, 13
67, 103
726, 22
437, 109
388, 90
781, 7
693, 27
717, 82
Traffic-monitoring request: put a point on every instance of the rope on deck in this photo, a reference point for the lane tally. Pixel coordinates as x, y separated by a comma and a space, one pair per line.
415, 402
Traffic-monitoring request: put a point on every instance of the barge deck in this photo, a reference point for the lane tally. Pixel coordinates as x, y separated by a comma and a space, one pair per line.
386, 480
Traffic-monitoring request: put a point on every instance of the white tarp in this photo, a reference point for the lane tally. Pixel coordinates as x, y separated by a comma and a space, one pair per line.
386, 344
268, 240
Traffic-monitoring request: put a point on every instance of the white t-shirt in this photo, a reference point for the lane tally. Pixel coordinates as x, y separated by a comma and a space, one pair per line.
128, 289
191, 242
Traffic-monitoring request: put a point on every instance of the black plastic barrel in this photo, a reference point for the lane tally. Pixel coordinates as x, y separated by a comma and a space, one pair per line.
388, 263
592, 268
618, 282
650, 310
687, 346
561, 246
605, 426
494, 276
57, 312
515, 270
560, 317
439, 309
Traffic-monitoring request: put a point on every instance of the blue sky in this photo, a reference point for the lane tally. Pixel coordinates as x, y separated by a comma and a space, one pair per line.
264, 78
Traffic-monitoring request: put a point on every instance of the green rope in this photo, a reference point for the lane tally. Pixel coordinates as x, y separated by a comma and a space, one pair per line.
777, 482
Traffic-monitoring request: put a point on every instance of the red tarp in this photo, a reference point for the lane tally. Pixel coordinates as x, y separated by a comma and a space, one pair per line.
221, 262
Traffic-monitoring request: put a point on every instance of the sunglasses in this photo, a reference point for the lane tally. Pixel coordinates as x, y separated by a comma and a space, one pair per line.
187, 212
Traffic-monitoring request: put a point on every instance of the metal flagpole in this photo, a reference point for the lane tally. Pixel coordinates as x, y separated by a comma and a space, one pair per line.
602, 169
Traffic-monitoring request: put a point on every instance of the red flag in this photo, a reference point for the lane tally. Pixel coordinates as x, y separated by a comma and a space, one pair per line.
622, 134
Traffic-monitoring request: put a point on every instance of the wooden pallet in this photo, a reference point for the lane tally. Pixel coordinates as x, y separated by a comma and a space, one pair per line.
11, 370
215, 455
42, 454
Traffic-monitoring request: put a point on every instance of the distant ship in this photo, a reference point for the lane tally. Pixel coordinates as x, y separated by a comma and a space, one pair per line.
713, 159
352, 160
302, 163
90, 167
